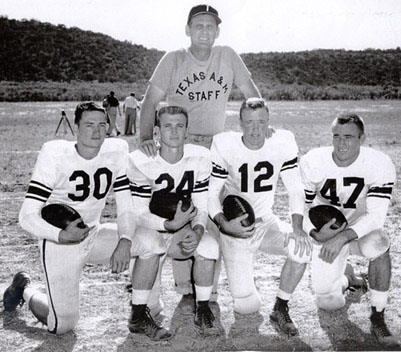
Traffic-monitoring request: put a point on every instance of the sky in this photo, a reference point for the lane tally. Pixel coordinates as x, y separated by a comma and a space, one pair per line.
247, 25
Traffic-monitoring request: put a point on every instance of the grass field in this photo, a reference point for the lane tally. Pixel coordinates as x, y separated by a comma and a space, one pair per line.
24, 127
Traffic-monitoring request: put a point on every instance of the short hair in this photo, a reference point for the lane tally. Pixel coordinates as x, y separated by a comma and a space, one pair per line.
87, 106
172, 110
111, 92
345, 118
132, 94
253, 104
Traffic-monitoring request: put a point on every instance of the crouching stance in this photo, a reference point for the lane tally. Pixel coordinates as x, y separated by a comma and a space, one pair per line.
247, 164
183, 171
358, 181
80, 175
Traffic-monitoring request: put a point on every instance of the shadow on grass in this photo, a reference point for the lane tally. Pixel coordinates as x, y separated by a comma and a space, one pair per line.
343, 333
48, 342
245, 334
185, 337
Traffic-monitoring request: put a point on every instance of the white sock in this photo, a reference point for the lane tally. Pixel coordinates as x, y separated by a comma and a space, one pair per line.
203, 293
378, 299
140, 296
28, 293
284, 295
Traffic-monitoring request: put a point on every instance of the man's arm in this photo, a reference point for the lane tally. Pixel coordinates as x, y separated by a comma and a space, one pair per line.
39, 190
291, 178
201, 190
377, 198
31, 221
250, 90
126, 224
152, 98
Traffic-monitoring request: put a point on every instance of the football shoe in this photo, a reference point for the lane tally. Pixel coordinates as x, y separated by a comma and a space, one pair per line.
281, 318
141, 322
204, 319
12, 296
380, 330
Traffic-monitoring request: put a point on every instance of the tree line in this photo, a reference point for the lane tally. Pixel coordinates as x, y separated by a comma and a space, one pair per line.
32, 52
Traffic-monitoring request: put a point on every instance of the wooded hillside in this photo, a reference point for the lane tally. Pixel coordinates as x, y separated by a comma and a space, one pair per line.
31, 51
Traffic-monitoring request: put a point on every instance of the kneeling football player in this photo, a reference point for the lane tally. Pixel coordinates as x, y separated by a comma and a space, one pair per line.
183, 170
248, 165
78, 174
358, 181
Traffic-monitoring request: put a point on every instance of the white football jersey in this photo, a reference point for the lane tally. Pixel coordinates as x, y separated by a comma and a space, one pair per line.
61, 175
253, 174
189, 177
361, 190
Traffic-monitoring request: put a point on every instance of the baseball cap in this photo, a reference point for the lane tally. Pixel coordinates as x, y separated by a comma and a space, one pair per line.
203, 10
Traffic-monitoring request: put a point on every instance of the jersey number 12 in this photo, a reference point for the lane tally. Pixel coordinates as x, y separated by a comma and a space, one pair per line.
268, 171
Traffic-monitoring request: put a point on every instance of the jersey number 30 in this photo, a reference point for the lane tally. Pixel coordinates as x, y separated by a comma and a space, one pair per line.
83, 184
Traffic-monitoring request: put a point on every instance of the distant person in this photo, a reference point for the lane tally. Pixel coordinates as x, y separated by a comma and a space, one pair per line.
358, 181
130, 107
112, 108
199, 79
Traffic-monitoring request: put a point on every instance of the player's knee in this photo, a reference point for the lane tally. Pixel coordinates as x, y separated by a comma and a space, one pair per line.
329, 295
149, 243
374, 244
66, 323
247, 305
322, 287
297, 257
208, 248
330, 301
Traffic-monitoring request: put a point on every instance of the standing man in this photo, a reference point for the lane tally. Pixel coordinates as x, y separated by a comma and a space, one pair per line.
112, 107
130, 107
79, 174
199, 79
183, 171
248, 164
358, 181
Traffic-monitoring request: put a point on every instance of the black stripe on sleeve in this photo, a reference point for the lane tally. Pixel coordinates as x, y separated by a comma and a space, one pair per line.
290, 164
121, 184
39, 192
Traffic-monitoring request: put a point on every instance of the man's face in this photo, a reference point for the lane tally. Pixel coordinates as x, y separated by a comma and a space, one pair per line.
92, 129
254, 124
347, 141
203, 31
173, 130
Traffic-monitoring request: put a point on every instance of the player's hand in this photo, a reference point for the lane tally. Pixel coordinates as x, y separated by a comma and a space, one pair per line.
234, 227
326, 232
189, 242
148, 147
332, 247
121, 256
303, 243
74, 232
181, 218
270, 131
